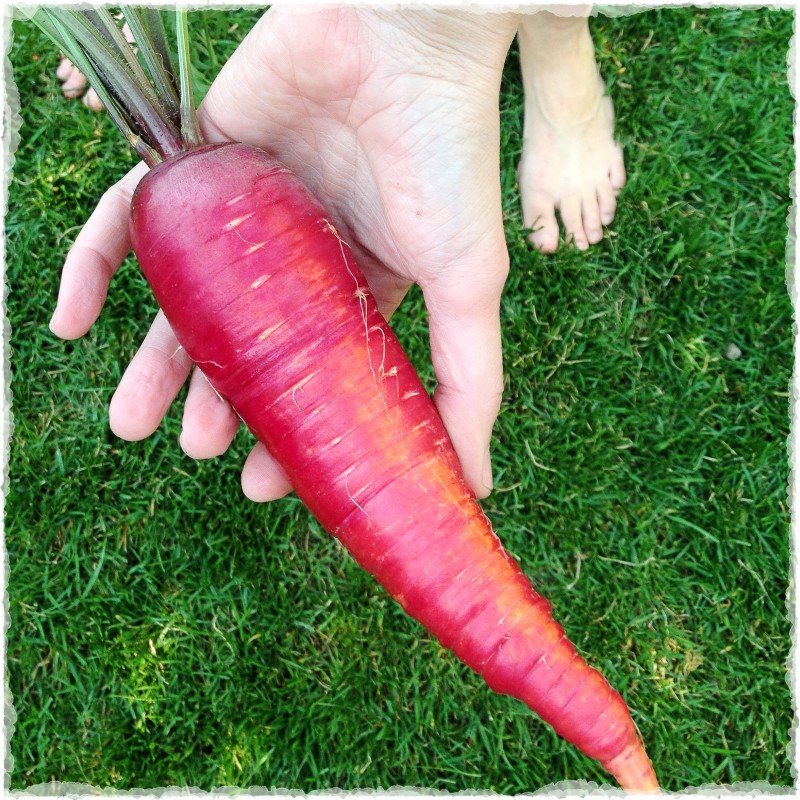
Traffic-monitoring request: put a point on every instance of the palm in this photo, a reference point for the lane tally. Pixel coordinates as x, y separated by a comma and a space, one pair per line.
401, 160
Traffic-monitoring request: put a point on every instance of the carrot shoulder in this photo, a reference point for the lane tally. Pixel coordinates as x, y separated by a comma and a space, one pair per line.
264, 294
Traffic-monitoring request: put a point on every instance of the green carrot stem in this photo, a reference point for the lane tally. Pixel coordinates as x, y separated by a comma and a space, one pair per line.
131, 86
64, 39
107, 26
153, 51
155, 114
157, 34
190, 127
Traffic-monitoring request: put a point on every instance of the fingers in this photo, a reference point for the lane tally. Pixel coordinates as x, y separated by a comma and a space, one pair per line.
150, 383
99, 249
209, 422
262, 477
148, 388
466, 350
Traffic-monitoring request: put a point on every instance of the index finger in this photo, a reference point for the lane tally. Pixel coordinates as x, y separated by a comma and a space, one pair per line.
99, 249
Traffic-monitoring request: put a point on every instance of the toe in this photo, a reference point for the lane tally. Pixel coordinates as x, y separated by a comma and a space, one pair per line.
74, 84
65, 69
607, 202
616, 173
539, 215
592, 225
91, 100
572, 217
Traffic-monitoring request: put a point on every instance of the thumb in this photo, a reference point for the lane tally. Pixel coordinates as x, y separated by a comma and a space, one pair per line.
466, 349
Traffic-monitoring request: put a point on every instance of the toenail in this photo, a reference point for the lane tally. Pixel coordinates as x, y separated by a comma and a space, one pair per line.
543, 244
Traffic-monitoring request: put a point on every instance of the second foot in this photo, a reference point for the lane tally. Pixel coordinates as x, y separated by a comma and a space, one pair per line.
575, 169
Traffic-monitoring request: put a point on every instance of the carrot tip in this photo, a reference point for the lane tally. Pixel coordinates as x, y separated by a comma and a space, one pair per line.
633, 770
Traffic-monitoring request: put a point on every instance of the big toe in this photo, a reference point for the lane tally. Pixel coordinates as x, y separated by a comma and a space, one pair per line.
544, 228
539, 215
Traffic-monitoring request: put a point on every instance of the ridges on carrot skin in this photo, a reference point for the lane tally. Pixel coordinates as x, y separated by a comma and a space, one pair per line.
390, 488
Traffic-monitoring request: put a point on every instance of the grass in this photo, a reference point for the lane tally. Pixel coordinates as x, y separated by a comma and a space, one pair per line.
164, 631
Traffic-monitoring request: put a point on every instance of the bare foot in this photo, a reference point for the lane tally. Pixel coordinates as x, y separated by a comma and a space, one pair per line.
570, 162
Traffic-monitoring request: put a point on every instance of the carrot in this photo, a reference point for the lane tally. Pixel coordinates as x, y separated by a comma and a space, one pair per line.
265, 296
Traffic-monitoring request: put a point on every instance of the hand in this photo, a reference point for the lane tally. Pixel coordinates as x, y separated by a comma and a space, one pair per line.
392, 121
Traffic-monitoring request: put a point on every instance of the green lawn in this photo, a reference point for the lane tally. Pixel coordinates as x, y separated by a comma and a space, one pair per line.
165, 631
